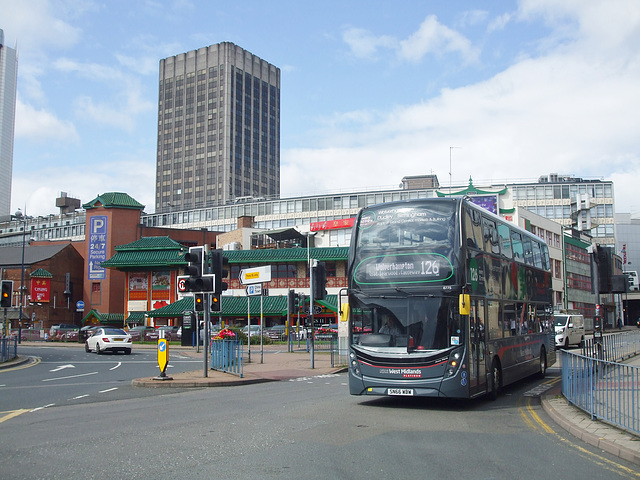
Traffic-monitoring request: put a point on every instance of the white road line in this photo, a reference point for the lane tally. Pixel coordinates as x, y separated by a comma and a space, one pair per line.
108, 390
79, 396
62, 367
41, 408
113, 368
70, 376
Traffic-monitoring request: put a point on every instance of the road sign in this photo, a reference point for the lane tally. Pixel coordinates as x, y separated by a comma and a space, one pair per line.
80, 306
163, 354
182, 286
254, 289
250, 276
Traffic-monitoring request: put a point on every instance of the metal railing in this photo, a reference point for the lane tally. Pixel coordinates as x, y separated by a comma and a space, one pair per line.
600, 386
8, 348
613, 347
226, 356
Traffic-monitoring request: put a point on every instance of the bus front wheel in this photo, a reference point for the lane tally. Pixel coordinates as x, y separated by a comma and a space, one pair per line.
495, 379
543, 363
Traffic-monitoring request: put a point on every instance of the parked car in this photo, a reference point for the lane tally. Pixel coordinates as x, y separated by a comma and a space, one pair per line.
170, 332
277, 332
57, 332
143, 332
108, 339
86, 332
255, 330
299, 333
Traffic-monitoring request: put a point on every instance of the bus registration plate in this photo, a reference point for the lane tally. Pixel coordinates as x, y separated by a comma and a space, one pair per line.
406, 392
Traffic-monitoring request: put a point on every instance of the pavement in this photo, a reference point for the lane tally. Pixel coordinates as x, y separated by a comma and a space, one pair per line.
278, 364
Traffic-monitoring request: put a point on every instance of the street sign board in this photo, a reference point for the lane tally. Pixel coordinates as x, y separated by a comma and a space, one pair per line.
80, 306
249, 276
254, 289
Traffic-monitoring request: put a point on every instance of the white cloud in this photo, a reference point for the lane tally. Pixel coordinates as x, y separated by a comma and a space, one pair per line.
41, 125
364, 44
572, 110
434, 38
84, 183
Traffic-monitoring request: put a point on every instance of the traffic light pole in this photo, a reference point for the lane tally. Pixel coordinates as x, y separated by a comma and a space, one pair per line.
311, 305
205, 340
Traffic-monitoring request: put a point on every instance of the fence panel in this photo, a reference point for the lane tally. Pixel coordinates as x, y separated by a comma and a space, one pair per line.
605, 390
8, 348
226, 356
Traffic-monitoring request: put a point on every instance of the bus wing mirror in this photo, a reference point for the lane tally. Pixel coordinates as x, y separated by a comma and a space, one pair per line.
465, 304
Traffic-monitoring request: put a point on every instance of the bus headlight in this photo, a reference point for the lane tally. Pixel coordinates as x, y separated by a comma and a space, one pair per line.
453, 364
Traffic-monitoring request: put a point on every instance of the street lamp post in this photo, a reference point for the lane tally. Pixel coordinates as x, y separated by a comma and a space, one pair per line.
20, 216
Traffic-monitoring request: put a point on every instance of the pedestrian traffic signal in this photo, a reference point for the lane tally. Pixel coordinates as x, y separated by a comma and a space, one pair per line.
7, 293
216, 304
198, 300
220, 269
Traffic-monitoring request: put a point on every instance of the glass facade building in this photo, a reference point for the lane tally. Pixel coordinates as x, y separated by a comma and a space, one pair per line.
8, 88
218, 129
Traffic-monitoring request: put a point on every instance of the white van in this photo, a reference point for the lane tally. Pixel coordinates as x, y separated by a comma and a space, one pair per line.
569, 329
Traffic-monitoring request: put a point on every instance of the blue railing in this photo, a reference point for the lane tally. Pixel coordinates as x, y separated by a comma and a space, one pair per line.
226, 356
604, 389
8, 348
614, 347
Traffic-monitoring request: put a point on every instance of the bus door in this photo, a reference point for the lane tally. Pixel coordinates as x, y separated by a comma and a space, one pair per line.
477, 348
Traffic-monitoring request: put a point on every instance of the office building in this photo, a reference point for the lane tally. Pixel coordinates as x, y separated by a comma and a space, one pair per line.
8, 86
218, 129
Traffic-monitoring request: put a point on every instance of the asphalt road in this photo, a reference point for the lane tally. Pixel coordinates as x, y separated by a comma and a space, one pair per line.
307, 428
70, 376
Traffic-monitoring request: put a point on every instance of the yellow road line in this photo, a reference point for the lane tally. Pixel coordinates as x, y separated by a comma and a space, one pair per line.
528, 411
11, 414
34, 361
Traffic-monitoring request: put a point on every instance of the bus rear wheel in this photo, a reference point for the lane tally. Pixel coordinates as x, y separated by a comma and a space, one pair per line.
495, 379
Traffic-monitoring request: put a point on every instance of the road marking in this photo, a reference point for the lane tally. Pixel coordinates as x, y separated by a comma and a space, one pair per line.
41, 408
79, 397
70, 376
12, 414
32, 362
62, 367
108, 390
583, 452
113, 368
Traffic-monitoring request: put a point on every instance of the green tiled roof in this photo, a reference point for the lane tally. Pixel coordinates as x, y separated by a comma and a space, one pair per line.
237, 306
136, 317
113, 200
148, 252
40, 273
287, 255
105, 318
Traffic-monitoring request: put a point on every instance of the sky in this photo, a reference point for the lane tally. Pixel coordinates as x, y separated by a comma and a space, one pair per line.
371, 91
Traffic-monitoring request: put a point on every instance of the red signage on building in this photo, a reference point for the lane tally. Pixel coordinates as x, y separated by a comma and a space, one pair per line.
40, 289
332, 224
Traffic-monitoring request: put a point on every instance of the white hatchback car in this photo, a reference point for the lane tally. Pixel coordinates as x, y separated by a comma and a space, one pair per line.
108, 338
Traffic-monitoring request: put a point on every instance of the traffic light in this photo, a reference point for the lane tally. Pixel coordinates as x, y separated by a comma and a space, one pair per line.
216, 304
220, 269
194, 269
198, 300
291, 301
7, 293
319, 281
197, 280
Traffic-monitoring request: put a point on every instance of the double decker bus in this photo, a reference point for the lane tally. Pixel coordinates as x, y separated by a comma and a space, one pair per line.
445, 299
